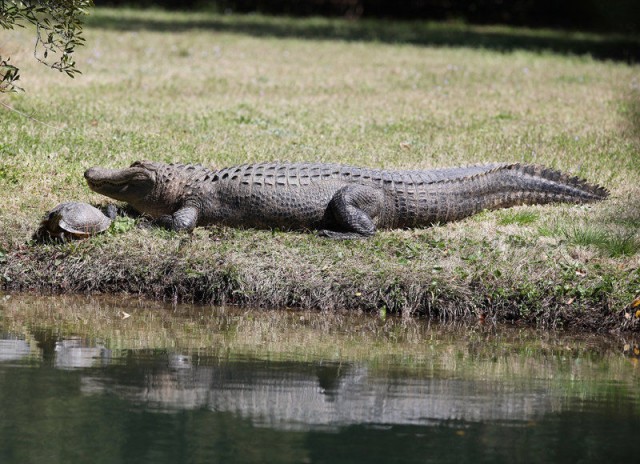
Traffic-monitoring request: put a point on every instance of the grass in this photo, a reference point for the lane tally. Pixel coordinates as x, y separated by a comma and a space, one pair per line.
613, 244
225, 89
518, 217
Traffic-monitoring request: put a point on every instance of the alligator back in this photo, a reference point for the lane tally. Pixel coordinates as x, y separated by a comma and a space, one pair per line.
297, 195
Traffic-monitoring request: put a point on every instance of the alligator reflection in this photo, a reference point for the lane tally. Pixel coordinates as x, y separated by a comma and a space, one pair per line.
75, 352
13, 348
280, 394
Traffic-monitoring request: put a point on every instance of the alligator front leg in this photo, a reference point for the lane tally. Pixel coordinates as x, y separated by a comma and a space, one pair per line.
184, 219
352, 210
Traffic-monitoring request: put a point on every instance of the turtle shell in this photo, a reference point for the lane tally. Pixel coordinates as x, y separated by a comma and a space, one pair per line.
75, 219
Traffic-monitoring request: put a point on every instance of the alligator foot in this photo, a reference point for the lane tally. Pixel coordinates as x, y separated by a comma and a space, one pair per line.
111, 211
185, 219
352, 209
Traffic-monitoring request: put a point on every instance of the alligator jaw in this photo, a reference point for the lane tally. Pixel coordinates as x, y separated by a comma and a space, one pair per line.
121, 184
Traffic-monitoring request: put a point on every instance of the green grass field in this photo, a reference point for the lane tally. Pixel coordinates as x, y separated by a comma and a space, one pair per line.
222, 89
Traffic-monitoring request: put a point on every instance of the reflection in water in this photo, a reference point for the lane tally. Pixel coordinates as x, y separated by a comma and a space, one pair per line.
76, 353
288, 395
12, 349
66, 395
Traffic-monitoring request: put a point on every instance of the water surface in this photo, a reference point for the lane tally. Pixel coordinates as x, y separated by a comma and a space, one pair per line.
98, 380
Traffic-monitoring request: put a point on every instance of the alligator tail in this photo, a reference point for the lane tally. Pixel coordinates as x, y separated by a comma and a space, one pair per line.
539, 184
509, 185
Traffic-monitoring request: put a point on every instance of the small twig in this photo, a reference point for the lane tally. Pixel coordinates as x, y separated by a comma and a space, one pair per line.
11, 108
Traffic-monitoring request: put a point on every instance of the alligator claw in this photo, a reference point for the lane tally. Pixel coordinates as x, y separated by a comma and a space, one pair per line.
332, 234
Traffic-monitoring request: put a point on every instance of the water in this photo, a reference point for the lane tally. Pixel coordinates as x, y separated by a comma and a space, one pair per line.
124, 381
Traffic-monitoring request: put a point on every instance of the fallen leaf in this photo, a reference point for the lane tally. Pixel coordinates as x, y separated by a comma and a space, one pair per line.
635, 303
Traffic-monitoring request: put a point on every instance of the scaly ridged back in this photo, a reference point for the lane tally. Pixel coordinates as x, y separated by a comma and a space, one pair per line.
297, 194
300, 174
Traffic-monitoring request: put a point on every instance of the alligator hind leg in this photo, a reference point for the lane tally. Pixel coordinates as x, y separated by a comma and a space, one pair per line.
352, 211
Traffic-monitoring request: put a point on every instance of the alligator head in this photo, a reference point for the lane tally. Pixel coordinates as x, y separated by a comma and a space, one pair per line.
142, 185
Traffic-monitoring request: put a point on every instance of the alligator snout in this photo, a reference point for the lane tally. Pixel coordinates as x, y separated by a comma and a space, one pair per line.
90, 174
98, 176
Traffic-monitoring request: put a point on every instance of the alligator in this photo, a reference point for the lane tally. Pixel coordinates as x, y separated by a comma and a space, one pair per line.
338, 201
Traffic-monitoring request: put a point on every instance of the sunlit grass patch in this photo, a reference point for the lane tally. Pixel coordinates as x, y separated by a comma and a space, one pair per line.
613, 243
519, 217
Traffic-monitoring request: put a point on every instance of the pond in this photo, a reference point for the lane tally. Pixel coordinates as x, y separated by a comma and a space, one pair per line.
106, 380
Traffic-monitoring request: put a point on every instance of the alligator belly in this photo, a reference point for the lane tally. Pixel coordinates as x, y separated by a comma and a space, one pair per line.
285, 209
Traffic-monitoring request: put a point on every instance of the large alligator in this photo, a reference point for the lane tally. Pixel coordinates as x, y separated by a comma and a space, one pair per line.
339, 201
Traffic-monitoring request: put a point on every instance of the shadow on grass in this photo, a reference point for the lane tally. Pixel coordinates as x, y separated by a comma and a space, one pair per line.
631, 112
498, 38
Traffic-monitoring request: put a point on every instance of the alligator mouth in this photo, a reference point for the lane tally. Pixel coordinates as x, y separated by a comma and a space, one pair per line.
102, 182
119, 184
107, 186
97, 183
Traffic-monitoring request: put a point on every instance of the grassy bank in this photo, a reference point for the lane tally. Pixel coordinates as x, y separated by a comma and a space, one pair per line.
222, 90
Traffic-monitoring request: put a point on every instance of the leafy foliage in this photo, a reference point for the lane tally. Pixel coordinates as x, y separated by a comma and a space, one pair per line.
58, 27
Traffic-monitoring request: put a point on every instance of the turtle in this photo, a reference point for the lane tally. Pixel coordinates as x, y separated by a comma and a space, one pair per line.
75, 220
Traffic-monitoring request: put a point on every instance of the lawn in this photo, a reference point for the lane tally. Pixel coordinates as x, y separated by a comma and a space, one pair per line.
223, 89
